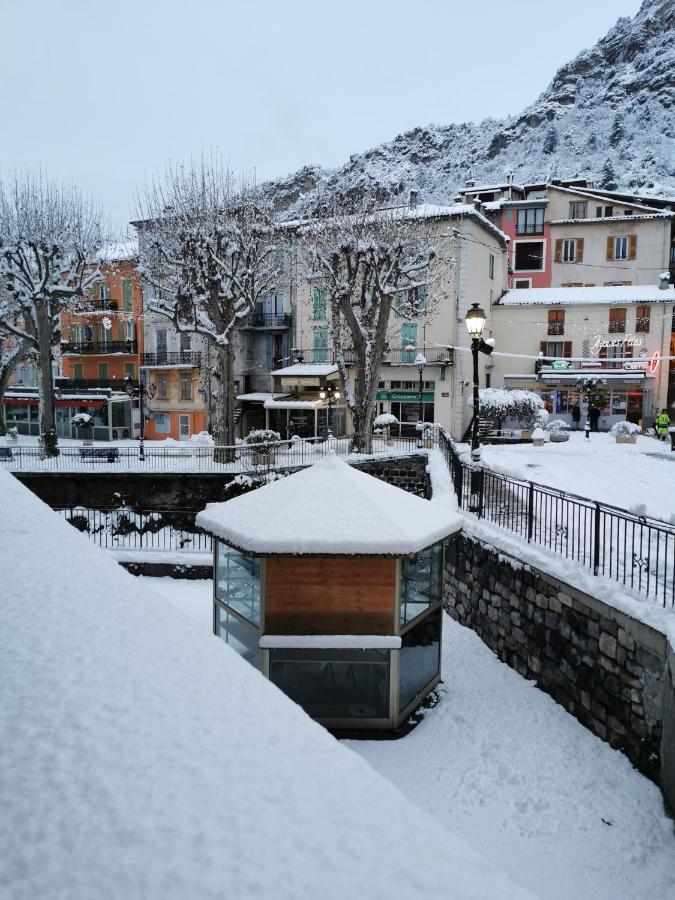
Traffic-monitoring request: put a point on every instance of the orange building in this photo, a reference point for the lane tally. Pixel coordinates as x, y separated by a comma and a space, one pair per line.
102, 335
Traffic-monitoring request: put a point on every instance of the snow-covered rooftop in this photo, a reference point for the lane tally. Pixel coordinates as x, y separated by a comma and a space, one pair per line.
116, 251
306, 370
329, 508
142, 757
260, 396
556, 296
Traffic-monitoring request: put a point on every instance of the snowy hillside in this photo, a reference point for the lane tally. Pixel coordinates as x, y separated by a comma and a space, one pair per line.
614, 102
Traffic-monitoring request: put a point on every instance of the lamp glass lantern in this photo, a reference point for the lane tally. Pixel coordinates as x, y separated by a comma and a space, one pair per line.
475, 321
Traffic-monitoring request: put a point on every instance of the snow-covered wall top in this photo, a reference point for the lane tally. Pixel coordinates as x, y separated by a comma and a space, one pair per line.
635, 293
142, 757
606, 115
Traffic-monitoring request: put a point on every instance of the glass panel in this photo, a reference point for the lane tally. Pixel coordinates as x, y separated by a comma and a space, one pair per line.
238, 582
332, 684
420, 582
420, 657
242, 638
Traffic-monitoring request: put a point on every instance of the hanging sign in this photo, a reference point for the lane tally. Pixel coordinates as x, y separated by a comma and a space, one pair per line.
561, 364
653, 363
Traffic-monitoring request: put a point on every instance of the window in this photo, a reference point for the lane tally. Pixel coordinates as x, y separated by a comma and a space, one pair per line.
419, 660
162, 423
414, 300
162, 386
127, 295
103, 371
420, 582
408, 340
556, 321
101, 290
617, 320
530, 221
569, 250
319, 304
529, 256
604, 211
238, 582
129, 331
578, 209
161, 340
78, 371
628, 212
185, 341
642, 314
522, 283
556, 349
185, 379
320, 338
621, 248
242, 638
491, 265
129, 370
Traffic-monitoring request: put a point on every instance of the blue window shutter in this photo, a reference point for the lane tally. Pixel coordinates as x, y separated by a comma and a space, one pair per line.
269, 352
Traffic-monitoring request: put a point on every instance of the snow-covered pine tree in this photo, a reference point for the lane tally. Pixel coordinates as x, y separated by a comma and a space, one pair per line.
608, 177
208, 255
550, 140
616, 133
49, 236
366, 263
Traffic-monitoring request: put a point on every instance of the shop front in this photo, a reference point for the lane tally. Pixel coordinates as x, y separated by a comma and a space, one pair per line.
405, 406
111, 414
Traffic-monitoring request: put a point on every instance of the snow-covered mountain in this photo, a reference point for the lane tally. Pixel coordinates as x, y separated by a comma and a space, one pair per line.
608, 115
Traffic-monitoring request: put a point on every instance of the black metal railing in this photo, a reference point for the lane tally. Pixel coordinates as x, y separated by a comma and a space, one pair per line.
634, 550
435, 356
124, 528
172, 358
101, 348
263, 320
190, 456
86, 384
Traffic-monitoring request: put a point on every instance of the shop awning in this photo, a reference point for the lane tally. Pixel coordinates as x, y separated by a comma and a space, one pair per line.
260, 397
594, 374
293, 404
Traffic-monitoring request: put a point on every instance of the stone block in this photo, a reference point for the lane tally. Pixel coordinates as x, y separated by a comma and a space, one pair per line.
534, 664
609, 665
564, 598
541, 600
625, 639
609, 626
492, 614
608, 645
600, 729
551, 619
515, 618
554, 603
586, 700
519, 635
649, 660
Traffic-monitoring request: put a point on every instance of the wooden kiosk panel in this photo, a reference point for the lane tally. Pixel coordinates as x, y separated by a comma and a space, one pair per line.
330, 595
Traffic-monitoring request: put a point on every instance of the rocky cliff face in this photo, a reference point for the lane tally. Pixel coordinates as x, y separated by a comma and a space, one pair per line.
608, 115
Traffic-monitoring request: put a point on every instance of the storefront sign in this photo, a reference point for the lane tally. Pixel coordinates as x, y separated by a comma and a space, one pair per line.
406, 396
561, 364
653, 363
629, 340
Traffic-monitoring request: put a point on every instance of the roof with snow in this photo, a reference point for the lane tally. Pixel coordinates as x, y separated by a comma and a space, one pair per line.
329, 508
635, 293
306, 370
116, 251
144, 758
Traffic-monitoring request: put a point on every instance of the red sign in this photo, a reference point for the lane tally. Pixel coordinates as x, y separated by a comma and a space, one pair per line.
653, 363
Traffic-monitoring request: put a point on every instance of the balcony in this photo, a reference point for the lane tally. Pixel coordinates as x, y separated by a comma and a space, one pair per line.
98, 348
172, 358
435, 356
66, 385
267, 322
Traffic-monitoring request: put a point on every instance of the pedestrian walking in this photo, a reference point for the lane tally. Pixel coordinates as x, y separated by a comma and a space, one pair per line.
594, 416
662, 423
576, 416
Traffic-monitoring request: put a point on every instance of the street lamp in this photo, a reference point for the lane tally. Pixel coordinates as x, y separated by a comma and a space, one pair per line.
420, 362
140, 391
475, 323
331, 394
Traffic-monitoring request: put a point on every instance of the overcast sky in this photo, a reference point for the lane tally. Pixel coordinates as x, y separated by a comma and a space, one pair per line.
106, 92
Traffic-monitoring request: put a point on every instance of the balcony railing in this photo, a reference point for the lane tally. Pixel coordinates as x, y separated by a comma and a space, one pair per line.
556, 328
172, 358
98, 348
617, 326
262, 320
86, 384
435, 356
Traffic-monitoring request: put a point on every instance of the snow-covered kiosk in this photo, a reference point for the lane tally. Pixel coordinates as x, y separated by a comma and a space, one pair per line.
330, 582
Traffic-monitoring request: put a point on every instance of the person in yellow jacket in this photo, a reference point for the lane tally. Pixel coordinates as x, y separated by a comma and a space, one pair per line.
662, 422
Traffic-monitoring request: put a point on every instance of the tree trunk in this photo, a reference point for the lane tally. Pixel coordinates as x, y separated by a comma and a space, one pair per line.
365, 392
223, 425
46, 408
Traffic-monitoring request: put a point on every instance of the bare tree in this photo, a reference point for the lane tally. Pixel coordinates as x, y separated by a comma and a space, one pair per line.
365, 264
49, 236
208, 255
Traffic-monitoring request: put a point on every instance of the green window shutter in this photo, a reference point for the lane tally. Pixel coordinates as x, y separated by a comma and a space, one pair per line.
127, 295
408, 339
422, 300
320, 335
319, 302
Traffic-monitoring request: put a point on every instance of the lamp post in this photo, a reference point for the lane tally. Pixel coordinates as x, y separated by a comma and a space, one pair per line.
331, 394
475, 323
138, 389
420, 362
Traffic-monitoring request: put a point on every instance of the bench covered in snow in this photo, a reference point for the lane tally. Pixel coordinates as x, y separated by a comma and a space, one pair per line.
107, 454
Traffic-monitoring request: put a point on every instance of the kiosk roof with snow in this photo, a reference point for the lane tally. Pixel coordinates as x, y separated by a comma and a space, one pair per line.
330, 509
330, 581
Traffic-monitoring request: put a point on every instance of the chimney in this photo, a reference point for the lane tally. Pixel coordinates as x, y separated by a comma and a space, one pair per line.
664, 281
470, 181
412, 199
477, 205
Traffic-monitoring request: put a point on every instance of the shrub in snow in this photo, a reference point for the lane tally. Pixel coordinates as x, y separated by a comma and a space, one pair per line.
625, 429
262, 436
498, 404
385, 420
82, 420
13, 433
557, 426
538, 434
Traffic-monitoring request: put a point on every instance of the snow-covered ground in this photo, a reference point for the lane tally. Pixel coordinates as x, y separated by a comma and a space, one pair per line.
639, 477
501, 764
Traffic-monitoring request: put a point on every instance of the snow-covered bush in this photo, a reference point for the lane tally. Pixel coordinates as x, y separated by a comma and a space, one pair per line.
82, 420
262, 436
499, 404
12, 433
538, 435
557, 426
625, 429
263, 442
385, 420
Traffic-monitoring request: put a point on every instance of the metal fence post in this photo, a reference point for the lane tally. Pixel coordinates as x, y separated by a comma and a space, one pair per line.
530, 511
596, 540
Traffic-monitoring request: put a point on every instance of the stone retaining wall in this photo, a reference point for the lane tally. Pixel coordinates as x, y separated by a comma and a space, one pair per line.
607, 669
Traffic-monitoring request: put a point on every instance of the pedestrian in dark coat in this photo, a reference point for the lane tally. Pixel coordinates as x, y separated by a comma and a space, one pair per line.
576, 416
